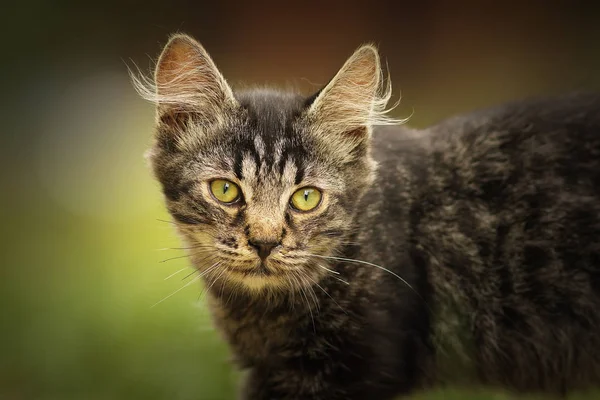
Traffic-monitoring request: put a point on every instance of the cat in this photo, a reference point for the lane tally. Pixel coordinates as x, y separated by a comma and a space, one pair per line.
348, 257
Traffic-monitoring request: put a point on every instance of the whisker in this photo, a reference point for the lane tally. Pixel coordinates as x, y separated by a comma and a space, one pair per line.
367, 263
334, 272
324, 291
341, 280
187, 284
309, 310
217, 278
223, 288
232, 294
303, 293
190, 274
175, 273
327, 269
184, 256
204, 273
209, 269
376, 266
174, 258
197, 270
194, 271
177, 291
185, 248
293, 294
313, 295
315, 298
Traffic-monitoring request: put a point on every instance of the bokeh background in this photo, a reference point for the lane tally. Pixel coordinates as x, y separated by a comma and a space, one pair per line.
82, 222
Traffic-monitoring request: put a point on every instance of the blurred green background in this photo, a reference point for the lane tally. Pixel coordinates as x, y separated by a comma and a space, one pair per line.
81, 231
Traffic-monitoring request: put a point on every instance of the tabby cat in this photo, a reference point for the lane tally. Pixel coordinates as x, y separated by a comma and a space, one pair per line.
346, 257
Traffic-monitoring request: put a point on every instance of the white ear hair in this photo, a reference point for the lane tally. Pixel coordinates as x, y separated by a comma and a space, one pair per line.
186, 80
357, 96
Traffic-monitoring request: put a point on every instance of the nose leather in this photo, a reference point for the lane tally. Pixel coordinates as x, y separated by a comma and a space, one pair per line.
263, 248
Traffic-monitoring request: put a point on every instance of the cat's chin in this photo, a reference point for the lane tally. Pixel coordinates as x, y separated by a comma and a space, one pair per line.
268, 276
260, 282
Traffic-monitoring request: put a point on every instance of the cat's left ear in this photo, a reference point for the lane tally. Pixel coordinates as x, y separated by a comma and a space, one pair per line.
353, 100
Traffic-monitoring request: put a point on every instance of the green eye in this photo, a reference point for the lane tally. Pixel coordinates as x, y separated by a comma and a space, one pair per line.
225, 191
306, 199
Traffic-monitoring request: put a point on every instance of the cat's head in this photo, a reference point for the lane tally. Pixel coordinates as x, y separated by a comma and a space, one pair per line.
262, 184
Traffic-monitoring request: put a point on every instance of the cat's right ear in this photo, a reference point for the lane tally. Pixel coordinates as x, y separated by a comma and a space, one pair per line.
188, 84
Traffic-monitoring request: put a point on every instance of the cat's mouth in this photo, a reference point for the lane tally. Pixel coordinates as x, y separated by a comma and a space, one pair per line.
268, 274
258, 277
262, 269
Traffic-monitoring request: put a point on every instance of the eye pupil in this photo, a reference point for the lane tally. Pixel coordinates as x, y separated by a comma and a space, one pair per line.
306, 199
225, 191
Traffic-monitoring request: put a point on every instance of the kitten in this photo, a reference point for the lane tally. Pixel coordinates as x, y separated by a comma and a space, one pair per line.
347, 258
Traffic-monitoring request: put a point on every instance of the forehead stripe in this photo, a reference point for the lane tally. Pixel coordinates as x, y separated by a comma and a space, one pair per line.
299, 172
237, 165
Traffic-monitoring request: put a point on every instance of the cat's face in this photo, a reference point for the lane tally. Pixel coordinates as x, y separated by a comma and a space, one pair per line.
263, 195
262, 184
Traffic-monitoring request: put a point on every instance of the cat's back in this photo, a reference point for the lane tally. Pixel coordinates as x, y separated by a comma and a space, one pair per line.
555, 130
488, 144
506, 214
533, 161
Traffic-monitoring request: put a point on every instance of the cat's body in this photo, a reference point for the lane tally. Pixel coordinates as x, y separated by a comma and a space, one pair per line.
471, 255
494, 219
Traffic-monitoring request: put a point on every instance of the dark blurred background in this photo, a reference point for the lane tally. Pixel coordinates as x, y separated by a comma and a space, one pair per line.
81, 217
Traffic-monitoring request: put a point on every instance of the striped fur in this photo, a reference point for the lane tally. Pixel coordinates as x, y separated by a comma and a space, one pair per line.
467, 253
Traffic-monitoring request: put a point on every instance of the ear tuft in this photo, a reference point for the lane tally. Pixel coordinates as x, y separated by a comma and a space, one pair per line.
186, 81
356, 97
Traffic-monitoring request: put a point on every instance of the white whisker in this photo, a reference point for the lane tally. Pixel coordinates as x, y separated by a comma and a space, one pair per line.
212, 267
333, 272
293, 294
303, 294
177, 291
175, 273
325, 291
327, 269
341, 280
184, 248
187, 255
367, 263
216, 279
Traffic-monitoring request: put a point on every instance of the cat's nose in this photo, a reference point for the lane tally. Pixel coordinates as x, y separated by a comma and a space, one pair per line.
263, 248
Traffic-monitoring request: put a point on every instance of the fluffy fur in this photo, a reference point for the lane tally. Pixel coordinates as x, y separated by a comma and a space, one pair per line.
465, 253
